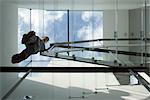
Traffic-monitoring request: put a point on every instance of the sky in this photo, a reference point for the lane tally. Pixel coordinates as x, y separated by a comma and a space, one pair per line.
83, 25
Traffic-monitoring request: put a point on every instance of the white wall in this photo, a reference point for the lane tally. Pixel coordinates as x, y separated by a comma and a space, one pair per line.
8, 40
135, 29
80, 4
0, 33
0, 48
109, 23
9, 32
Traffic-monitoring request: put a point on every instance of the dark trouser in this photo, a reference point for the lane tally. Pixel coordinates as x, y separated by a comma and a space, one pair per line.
22, 56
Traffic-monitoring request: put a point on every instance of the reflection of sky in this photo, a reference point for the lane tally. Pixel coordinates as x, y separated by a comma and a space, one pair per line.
83, 25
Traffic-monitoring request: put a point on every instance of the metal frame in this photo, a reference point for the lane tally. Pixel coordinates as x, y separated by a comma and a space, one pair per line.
57, 54
81, 59
73, 69
107, 50
132, 70
76, 97
140, 79
107, 39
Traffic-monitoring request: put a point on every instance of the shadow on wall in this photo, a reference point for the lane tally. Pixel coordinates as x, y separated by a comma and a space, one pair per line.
40, 91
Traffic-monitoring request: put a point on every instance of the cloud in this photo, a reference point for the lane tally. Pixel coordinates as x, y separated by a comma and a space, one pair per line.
24, 13
87, 33
40, 17
92, 30
43, 19
86, 16
54, 15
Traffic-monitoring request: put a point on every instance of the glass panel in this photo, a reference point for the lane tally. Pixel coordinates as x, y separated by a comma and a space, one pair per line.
54, 23
23, 28
55, 27
23, 25
86, 25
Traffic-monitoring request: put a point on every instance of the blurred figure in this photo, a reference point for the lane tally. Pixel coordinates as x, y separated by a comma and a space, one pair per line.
33, 45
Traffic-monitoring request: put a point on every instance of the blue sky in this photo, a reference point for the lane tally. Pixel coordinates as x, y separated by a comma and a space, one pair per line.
83, 25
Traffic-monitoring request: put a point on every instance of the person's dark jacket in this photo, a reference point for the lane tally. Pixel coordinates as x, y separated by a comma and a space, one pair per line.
33, 43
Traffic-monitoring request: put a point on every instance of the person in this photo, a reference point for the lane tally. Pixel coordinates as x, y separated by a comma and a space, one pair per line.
33, 45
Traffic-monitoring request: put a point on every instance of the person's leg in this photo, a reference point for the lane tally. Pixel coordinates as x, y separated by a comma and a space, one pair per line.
22, 56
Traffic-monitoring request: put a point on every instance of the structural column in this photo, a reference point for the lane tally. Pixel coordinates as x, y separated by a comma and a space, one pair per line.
9, 32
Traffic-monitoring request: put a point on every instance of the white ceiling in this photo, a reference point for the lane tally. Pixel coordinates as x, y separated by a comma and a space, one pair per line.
83, 1
78, 4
